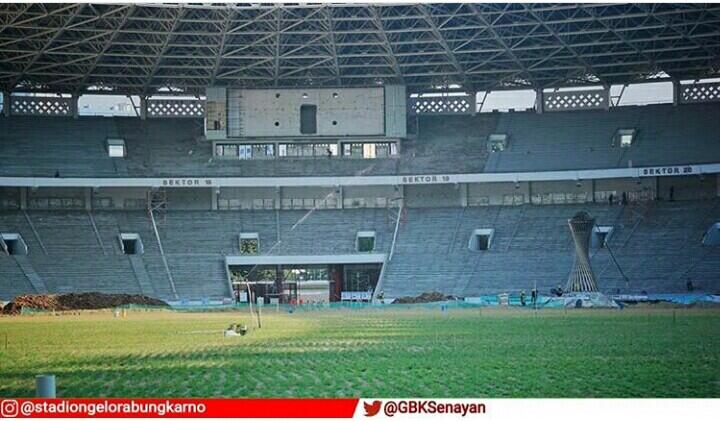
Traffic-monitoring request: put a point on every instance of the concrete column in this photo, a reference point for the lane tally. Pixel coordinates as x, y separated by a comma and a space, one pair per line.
607, 97
473, 102
7, 101
88, 199
401, 191
74, 109
592, 192
214, 193
539, 101
463, 194
676, 92
278, 197
23, 198
45, 385
341, 197
143, 108
530, 192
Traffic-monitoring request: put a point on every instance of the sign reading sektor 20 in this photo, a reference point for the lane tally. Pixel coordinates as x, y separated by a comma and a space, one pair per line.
670, 170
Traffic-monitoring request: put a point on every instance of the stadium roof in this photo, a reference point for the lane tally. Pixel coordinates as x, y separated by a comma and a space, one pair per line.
144, 49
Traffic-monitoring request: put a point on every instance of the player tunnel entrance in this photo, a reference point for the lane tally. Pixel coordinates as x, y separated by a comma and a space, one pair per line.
301, 283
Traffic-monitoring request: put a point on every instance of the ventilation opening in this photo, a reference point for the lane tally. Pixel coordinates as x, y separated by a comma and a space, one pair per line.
600, 236
624, 138
481, 239
497, 142
13, 244
308, 119
131, 244
249, 243
365, 242
116, 148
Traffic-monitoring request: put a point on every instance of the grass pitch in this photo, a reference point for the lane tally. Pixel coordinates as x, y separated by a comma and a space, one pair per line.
371, 353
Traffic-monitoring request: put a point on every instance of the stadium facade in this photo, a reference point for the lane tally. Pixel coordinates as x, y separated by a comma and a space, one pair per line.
384, 179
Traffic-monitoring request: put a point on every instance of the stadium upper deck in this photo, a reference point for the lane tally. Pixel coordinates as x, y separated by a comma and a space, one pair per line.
664, 135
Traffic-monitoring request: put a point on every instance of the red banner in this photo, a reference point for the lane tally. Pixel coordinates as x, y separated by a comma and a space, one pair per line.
177, 408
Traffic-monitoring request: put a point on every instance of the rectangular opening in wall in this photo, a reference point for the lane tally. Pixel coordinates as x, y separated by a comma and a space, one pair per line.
13, 244
365, 241
130, 243
249, 243
624, 138
497, 142
116, 148
481, 239
600, 236
308, 119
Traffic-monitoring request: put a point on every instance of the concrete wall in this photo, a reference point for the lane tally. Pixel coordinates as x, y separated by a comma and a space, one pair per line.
189, 198
120, 198
433, 195
636, 188
276, 112
9, 198
248, 198
484, 194
687, 188
56, 198
216, 113
395, 111
561, 192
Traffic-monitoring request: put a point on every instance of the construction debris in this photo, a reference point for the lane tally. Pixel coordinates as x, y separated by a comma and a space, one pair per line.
82, 301
425, 297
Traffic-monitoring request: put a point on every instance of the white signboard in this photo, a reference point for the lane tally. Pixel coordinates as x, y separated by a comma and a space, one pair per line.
356, 296
667, 170
187, 182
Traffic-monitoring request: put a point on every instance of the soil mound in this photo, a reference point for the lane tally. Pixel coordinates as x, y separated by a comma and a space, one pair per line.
425, 297
82, 301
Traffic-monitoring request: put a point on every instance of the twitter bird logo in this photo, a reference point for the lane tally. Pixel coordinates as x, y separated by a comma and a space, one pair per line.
371, 409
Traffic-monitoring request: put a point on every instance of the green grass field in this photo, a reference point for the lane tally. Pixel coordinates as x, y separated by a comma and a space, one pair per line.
370, 353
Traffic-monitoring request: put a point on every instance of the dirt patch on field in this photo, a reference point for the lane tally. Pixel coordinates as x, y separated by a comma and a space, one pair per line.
83, 301
425, 297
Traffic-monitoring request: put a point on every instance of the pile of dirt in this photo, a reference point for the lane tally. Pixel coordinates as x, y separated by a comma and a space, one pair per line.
425, 297
82, 301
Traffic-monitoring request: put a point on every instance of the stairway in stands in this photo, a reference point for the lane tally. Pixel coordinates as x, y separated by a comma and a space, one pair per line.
30, 273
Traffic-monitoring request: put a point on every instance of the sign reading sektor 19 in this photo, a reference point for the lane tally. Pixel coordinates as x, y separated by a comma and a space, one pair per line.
669, 170
425, 179
187, 182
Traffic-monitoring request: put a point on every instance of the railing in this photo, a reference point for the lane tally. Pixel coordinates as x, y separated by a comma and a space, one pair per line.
162, 254
389, 256
37, 235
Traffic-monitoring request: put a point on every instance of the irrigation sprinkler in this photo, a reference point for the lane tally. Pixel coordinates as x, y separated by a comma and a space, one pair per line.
45, 385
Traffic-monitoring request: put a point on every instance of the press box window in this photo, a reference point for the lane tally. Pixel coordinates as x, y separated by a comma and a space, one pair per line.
116, 148
497, 142
131, 243
365, 242
308, 119
600, 236
13, 244
481, 239
249, 243
624, 138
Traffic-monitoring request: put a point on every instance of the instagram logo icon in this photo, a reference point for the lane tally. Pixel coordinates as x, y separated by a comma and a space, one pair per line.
9, 408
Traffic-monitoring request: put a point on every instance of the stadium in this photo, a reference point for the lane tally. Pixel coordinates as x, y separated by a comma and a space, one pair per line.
320, 162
